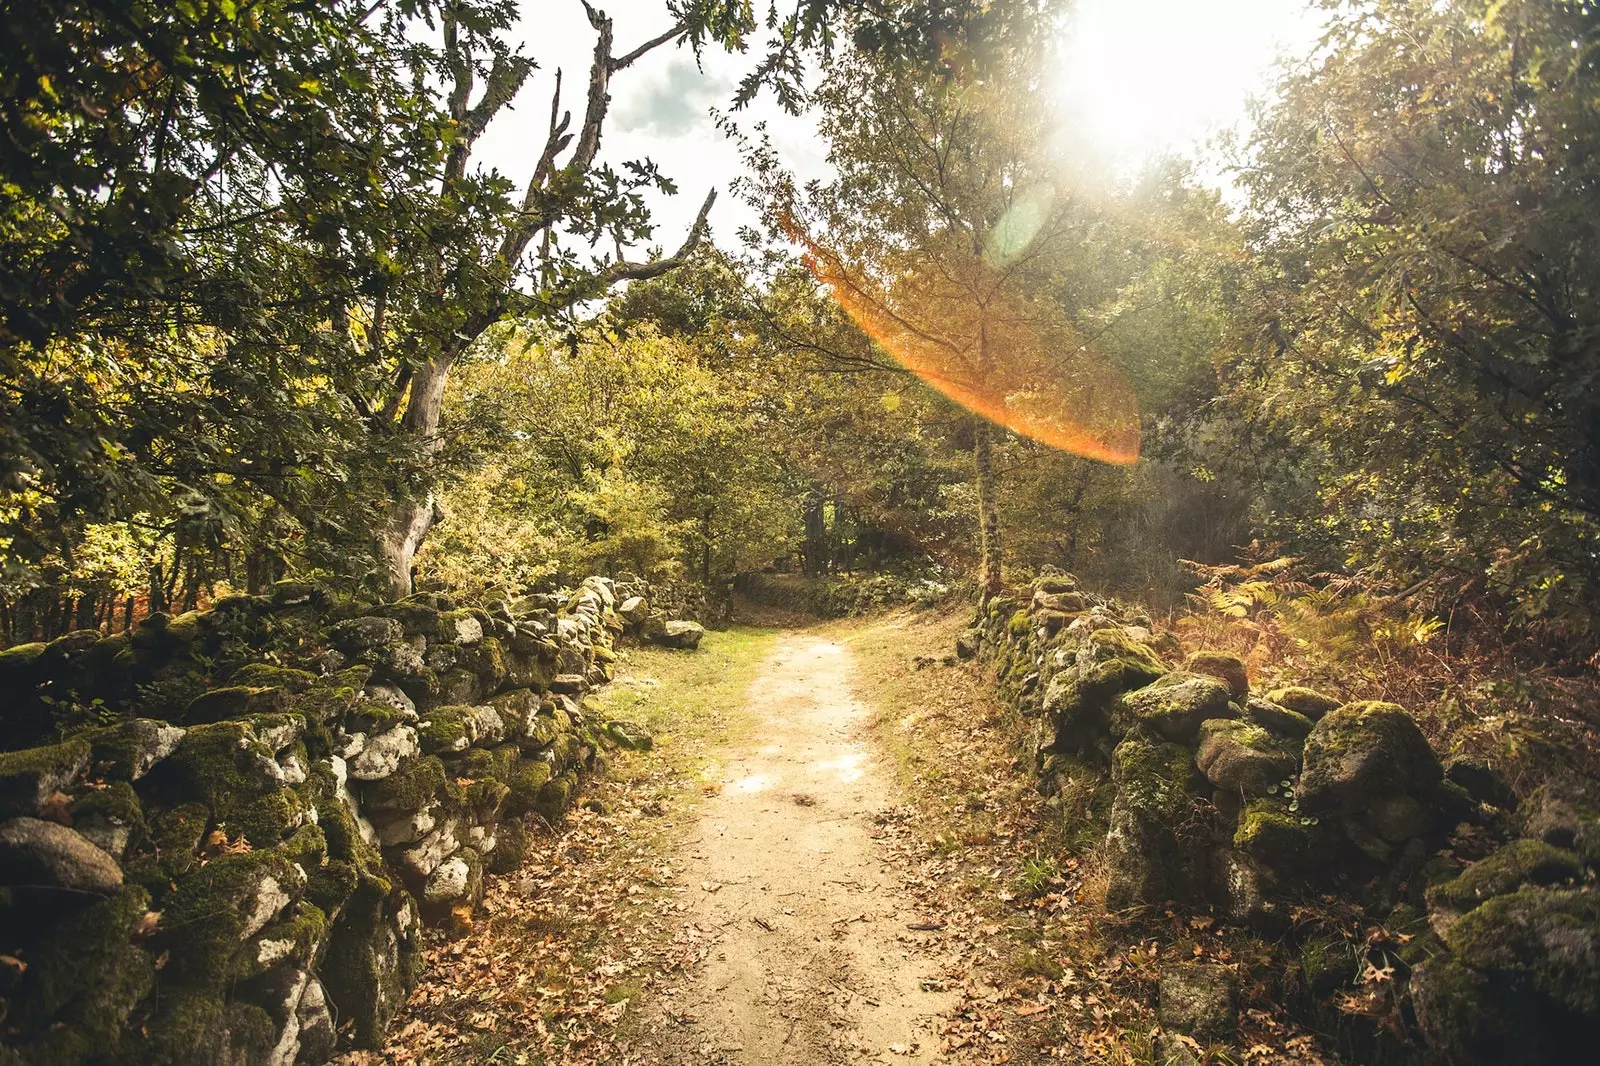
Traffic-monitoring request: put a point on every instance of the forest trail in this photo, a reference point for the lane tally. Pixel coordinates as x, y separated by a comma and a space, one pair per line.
815, 955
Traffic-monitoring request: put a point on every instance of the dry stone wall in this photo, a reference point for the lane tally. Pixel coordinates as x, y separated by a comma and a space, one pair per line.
222, 833
1263, 806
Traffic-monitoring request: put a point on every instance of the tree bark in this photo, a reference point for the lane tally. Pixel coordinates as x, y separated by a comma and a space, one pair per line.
988, 511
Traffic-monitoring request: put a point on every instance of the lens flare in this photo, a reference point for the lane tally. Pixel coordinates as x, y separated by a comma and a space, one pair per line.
1005, 360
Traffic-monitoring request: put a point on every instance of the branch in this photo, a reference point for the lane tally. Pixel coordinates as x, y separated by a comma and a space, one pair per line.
626, 61
622, 270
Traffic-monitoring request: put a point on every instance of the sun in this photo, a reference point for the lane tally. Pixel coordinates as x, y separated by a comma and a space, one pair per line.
1161, 76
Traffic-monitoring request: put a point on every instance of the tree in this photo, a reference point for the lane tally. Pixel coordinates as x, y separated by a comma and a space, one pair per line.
1421, 336
939, 238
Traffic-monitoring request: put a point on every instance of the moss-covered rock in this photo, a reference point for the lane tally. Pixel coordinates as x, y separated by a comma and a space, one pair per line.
1302, 700
1224, 666
109, 818
29, 777
220, 905
231, 768
448, 729
1519, 863
527, 781
128, 751
1174, 706
629, 735
1565, 812
84, 979
408, 789
1523, 986
1146, 860
1199, 1000
1276, 837
1242, 757
1279, 720
235, 701
1362, 751
556, 796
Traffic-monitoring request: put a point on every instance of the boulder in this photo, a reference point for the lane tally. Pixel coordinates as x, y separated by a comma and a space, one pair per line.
1480, 781
634, 610
1276, 837
1146, 861
1302, 700
1363, 751
685, 636
1242, 757
38, 854
358, 636
630, 735
1523, 984
29, 777
1175, 705
1278, 719
1565, 812
1198, 1000
968, 643
383, 754
1519, 863
1222, 665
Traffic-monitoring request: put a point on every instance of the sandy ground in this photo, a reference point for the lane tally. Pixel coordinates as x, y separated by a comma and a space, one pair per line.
812, 954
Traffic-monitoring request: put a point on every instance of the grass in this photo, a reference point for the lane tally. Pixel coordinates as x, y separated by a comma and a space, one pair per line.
689, 701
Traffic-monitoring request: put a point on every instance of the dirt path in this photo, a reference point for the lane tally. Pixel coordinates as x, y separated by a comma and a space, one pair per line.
812, 953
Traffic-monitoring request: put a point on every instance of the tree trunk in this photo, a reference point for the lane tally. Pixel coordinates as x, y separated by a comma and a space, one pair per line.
988, 512
411, 517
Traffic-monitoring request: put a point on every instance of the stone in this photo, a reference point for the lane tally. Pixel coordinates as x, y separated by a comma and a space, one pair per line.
1302, 700
1175, 705
1171, 1050
1481, 781
30, 776
1565, 812
132, 749
1278, 719
1276, 837
460, 628
684, 636
1523, 984
569, 684
235, 701
39, 854
1363, 751
1198, 1000
1519, 863
1222, 665
634, 610
1398, 818
1242, 757
361, 635
392, 696
383, 754
1143, 855
630, 735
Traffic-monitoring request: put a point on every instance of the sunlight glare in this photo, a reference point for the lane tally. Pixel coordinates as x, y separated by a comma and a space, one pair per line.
1159, 76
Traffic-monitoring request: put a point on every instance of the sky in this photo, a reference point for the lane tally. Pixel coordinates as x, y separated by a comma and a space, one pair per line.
1143, 77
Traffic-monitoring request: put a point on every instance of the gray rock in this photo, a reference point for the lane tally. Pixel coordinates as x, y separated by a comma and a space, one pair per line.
634, 609
358, 635
1565, 812
42, 854
133, 748
1363, 751
685, 636
1197, 999
382, 755
1176, 704
630, 735
1242, 757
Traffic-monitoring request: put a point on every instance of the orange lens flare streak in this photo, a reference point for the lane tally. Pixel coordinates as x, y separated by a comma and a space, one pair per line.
1078, 404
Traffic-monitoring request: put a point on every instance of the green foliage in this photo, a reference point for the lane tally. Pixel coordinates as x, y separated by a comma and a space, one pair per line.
1418, 339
